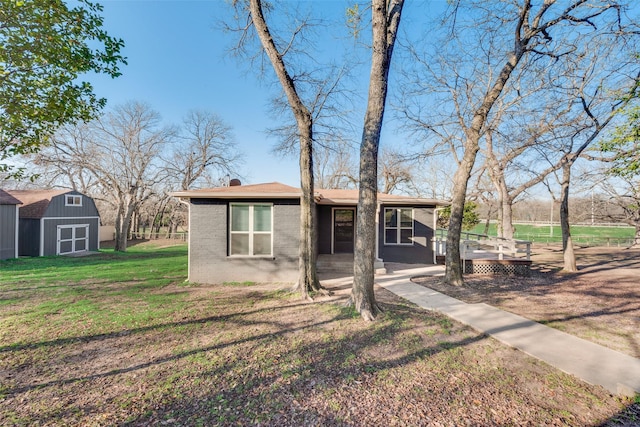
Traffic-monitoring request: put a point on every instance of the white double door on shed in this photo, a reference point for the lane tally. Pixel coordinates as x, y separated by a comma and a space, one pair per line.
72, 239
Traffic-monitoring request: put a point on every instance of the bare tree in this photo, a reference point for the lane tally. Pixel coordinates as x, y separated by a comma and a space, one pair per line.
385, 20
334, 167
395, 172
307, 280
205, 147
473, 77
120, 153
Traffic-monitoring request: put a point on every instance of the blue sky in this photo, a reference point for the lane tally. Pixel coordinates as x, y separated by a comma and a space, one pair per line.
177, 61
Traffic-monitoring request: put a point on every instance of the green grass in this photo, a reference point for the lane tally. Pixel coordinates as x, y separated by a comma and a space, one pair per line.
99, 294
581, 234
119, 339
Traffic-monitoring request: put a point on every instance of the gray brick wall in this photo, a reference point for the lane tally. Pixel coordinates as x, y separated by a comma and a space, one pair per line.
421, 252
208, 243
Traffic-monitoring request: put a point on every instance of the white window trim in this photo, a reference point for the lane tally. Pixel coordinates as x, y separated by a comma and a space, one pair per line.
250, 232
73, 238
399, 228
75, 197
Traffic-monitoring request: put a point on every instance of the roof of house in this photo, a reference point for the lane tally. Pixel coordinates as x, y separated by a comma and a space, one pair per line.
8, 199
35, 202
276, 190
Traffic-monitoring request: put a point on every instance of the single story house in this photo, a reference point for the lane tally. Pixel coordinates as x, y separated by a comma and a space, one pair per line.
56, 222
8, 225
251, 232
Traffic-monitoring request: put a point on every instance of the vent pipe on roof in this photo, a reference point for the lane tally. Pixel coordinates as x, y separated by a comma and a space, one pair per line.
235, 182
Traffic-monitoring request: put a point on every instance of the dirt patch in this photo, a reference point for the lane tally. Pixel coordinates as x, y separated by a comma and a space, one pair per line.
600, 303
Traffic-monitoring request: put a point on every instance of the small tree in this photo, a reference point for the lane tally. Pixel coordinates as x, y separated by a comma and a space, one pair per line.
470, 217
622, 151
45, 48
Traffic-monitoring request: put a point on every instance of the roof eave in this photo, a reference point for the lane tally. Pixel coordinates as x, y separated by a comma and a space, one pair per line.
217, 195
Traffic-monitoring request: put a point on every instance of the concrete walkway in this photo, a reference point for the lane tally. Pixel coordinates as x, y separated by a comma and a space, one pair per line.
593, 363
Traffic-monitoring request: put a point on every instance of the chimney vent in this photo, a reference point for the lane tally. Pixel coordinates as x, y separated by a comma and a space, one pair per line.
234, 182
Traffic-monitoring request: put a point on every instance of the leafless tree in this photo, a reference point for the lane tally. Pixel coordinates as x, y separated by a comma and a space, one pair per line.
385, 21
484, 49
206, 149
276, 50
334, 167
396, 172
127, 160
120, 152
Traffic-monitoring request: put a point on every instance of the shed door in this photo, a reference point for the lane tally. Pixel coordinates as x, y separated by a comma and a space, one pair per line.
72, 238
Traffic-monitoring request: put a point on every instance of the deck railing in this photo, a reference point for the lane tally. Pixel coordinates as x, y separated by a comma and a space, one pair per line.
471, 243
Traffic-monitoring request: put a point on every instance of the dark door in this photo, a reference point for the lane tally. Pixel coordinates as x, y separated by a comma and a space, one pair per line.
343, 230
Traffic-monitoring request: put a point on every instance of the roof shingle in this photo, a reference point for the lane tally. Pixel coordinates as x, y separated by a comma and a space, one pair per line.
35, 202
8, 199
278, 190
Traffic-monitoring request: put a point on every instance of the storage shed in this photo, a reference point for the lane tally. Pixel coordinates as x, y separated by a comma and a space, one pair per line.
8, 225
56, 222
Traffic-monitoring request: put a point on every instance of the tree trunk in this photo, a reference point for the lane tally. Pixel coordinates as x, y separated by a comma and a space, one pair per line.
308, 280
118, 228
507, 217
308, 253
567, 244
453, 263
385, 26
123, 224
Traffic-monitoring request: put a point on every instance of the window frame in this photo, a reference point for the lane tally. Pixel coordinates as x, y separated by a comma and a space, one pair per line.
398, 227
251, 232
73, 197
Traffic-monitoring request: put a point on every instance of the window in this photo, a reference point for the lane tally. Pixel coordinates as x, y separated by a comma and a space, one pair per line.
398, 226
71, 200
250, 229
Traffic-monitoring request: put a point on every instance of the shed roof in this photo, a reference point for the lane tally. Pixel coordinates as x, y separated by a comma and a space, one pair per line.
35, 202
8, 199
276, 190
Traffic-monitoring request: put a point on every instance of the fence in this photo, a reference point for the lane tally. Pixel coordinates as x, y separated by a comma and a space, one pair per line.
471, 243
181, 235
583, 240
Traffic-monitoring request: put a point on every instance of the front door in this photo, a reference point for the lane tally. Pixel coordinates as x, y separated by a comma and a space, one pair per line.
343, 230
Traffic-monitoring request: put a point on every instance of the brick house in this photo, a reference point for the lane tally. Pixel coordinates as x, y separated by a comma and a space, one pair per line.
251, 232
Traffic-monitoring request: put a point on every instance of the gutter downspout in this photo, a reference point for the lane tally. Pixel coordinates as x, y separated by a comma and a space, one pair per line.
17, 230
41, 253
378, 263
188, 237
435, 227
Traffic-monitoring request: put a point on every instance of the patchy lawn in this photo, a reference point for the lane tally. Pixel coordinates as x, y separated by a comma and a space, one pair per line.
599, 303
121, 339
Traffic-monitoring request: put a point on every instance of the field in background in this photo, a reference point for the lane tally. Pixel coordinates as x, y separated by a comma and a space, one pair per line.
582, 234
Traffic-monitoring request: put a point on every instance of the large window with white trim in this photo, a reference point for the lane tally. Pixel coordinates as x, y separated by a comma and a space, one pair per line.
250, 228
398, 226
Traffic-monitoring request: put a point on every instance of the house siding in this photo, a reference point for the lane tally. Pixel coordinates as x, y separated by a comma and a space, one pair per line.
8, 221
57, 208
209, 261
29, 237
325, 229
421, 252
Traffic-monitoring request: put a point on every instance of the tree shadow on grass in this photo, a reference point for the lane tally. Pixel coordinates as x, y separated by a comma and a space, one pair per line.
268, 376
141, 330
288, 366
